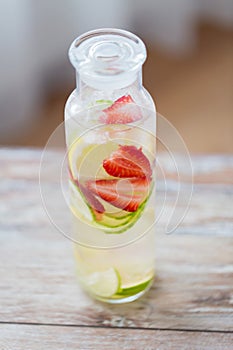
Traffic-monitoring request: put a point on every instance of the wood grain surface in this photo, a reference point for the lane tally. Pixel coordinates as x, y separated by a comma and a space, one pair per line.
192, 293
24, 337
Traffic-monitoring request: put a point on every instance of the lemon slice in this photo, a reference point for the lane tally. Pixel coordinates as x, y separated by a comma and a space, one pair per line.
104, 283
77, 204
77, 152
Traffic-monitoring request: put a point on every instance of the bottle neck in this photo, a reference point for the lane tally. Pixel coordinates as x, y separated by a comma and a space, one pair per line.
87, 86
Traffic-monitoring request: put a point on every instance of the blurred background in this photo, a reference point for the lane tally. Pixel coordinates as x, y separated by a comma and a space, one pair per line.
189, 71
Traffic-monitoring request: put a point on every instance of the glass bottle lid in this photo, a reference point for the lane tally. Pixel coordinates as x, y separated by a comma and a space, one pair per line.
107, 58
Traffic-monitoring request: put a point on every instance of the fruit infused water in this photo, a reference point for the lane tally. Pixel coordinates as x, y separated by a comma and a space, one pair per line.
110, 133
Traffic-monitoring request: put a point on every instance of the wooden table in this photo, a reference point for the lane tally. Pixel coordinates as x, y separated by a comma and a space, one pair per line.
190, 305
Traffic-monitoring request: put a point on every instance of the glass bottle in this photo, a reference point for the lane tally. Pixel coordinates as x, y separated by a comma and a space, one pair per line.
110, 125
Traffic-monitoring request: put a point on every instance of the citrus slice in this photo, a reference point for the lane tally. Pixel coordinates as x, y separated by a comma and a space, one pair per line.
129, 291
104, 102
78, 205
103, 283
77, 152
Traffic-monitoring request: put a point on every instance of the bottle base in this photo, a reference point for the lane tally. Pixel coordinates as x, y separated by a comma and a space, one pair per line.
122, 299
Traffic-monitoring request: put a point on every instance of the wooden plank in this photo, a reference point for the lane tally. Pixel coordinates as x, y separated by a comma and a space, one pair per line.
27, 337
194, 284
193, 289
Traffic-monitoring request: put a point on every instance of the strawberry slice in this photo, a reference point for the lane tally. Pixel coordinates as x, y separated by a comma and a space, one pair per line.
122, 111
128, 161
126, 194
92, 200
97, 207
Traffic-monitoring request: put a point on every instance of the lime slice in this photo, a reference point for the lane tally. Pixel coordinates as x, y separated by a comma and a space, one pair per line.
104, 283
135, 289
105, 102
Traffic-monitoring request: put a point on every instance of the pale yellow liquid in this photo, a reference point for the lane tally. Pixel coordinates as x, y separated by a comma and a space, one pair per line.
114, 264
134, 263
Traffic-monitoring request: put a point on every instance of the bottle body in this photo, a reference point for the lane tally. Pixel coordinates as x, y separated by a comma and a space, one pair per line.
110, 135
